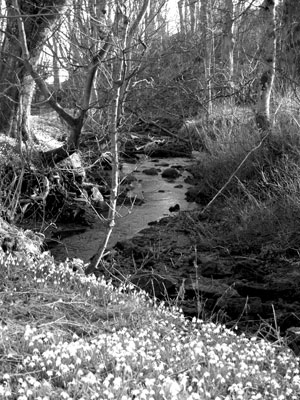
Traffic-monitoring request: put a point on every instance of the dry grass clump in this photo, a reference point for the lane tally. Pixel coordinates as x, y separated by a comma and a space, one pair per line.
260, 202
269, 211
225, 151
67, 336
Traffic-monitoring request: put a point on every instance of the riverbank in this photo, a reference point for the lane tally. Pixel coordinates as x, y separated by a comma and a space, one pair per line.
234, 261
66, 336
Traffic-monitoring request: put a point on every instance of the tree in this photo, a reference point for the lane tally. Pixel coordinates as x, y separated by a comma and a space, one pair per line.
192, 8
123, 33
228, 38
16, 83
267, 63
288, 54
180, 5
75, 123
207, 39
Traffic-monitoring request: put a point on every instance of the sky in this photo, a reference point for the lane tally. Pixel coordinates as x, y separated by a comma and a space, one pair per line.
173, 6
173, 13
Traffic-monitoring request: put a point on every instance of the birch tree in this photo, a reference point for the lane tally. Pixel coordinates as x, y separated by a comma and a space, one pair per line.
207, 40
180, 5
228, 39
267, 63
192, 9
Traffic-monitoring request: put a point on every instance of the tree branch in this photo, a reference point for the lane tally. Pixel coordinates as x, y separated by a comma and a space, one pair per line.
37, 78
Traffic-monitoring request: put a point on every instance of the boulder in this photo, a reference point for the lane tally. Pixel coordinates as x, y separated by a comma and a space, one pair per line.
150, 171
170, 173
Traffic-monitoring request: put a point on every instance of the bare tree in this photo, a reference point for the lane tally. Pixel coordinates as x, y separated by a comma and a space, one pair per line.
192, 9
75, 123
180, 5
267, 63
228, 38
123, 33
207, 40
55, 65
16, 83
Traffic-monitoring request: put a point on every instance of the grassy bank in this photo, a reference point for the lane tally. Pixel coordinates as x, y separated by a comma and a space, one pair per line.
67, 336
255, 184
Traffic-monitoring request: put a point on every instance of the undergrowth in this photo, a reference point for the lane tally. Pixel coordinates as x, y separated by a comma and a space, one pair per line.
64, 335
259, 205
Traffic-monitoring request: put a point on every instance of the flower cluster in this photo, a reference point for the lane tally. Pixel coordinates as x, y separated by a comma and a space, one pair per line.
153, 353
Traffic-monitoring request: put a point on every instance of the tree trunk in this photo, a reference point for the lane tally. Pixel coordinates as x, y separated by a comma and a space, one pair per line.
53, 156
123, 36
3, 20
208, 48
192, 7
15, 83
55, 65
267, 65
10, 72
228, 39
181, 17
26, 95
128, 71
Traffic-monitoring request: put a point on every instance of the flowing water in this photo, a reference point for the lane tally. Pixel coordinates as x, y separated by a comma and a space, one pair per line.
159, 195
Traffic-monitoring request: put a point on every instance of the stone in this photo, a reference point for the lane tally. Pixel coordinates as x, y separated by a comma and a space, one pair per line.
208, 288
267, 291
129, 249
201, 194
249, 269
170, 173
238, 306
150, 171
157, 286
174, 208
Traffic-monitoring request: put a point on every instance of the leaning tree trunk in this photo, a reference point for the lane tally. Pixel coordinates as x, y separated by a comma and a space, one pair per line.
267, 65
75, 123
9, 79
16, 84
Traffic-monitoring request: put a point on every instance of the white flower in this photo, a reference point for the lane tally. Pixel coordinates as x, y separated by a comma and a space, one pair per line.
171, 388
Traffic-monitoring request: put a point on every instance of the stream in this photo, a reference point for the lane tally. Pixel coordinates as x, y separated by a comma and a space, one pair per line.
159, 194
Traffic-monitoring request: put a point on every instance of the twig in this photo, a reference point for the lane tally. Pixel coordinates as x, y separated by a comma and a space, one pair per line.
234, 172
165, 130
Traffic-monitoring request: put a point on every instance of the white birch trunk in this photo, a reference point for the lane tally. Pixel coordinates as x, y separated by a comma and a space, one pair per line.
267, 64
192, 7
228, 39
181, 16
55, 66
208, 49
